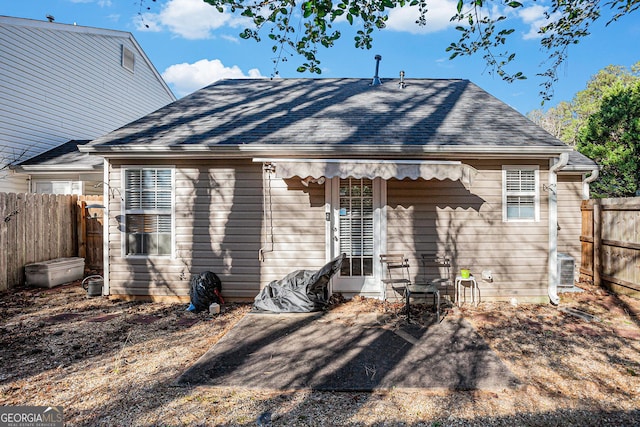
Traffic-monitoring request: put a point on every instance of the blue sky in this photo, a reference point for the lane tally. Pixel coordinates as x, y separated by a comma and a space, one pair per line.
192, 45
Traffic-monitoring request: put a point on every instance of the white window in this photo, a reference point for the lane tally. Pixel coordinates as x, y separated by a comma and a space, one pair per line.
520, 193
58, 187
148, 211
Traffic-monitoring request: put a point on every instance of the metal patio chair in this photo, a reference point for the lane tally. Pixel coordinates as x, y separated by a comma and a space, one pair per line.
398, 276
397, 272
436, 269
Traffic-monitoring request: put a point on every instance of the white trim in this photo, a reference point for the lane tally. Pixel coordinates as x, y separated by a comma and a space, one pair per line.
363, 161
380, 219
554, 167
536, 170
330, 237
105, 228
332, 198
123, 213
262, 151
586, 180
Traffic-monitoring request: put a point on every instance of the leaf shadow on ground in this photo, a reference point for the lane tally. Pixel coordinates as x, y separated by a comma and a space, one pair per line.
573, 372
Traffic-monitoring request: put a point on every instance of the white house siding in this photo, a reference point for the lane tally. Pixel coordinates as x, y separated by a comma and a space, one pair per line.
219, 227
569, 216
62, 82
426, 216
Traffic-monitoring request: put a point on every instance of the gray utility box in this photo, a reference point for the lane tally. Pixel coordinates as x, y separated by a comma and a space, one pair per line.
47, 274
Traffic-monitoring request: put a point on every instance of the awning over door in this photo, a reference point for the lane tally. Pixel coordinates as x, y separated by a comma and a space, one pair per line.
385, 169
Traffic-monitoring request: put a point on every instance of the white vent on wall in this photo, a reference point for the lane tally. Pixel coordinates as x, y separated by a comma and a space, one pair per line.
566, 266
128, 58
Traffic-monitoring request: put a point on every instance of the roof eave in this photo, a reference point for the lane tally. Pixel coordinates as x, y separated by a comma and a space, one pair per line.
56, 168
579, 169
325, 151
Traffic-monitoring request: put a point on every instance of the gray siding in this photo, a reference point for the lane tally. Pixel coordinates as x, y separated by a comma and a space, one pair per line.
220, 209
61, 82
425, 216
219, 227
569, 215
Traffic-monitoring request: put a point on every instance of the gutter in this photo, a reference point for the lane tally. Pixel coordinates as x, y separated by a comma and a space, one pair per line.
553, 227
382, 151
57, 168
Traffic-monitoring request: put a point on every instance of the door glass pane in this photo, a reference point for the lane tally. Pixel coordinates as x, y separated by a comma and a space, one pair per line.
356, 226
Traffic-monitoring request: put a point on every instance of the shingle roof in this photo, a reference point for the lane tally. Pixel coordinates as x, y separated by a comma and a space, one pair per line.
333, 112
441, 115
65, 156
580, 162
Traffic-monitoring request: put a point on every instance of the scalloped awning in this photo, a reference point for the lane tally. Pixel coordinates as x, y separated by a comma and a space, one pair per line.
385, 169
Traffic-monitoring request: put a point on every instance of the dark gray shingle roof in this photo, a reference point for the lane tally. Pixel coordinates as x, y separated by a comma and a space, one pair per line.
580, 162
308, 112
65, 156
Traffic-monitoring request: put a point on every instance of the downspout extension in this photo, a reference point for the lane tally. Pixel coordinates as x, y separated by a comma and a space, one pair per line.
562, 162
588, 180
553, 227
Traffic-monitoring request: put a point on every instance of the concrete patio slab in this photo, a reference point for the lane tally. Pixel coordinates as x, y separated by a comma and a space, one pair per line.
338, 352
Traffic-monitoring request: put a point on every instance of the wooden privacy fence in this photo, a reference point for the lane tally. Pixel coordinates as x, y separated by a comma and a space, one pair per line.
90, 231
611, 244
40, 227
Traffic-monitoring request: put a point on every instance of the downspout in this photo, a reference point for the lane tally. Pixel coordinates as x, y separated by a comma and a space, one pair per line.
267, 211
588, 180
105, 228
553, 227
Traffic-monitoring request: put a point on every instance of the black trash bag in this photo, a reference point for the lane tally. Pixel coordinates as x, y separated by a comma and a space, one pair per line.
301, 291
205, 289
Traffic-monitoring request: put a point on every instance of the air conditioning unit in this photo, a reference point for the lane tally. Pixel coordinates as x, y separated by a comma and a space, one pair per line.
566, 268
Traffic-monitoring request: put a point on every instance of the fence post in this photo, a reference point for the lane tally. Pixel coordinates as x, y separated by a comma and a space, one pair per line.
81, 227
4, 245
597, 242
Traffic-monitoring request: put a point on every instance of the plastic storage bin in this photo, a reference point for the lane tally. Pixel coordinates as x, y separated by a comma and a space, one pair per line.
47, 274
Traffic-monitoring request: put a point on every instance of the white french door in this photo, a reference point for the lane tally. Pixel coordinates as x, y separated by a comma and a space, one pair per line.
356, 229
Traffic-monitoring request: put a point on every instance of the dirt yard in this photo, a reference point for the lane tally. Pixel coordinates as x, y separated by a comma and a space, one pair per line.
113, 363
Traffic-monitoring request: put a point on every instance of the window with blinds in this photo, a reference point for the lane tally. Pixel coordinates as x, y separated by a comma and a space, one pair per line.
356, 226
520, 193
148, 211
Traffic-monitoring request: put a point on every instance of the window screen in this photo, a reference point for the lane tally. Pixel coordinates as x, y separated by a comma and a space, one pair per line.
148, 210
520, 194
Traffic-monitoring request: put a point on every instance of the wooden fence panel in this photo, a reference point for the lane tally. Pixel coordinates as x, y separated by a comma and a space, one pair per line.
90, 233
4, 236
586, 240
613, 256
39, 227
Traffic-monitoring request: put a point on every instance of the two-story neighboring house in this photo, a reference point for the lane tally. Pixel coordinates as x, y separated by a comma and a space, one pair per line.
63, 85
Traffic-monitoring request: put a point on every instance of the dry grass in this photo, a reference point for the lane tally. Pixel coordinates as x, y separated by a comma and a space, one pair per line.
113, 363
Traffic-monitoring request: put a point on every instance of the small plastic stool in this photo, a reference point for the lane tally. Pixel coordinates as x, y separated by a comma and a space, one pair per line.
460, 281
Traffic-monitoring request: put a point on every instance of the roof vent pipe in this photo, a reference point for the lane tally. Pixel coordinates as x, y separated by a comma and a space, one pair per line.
402, 83
376, 80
